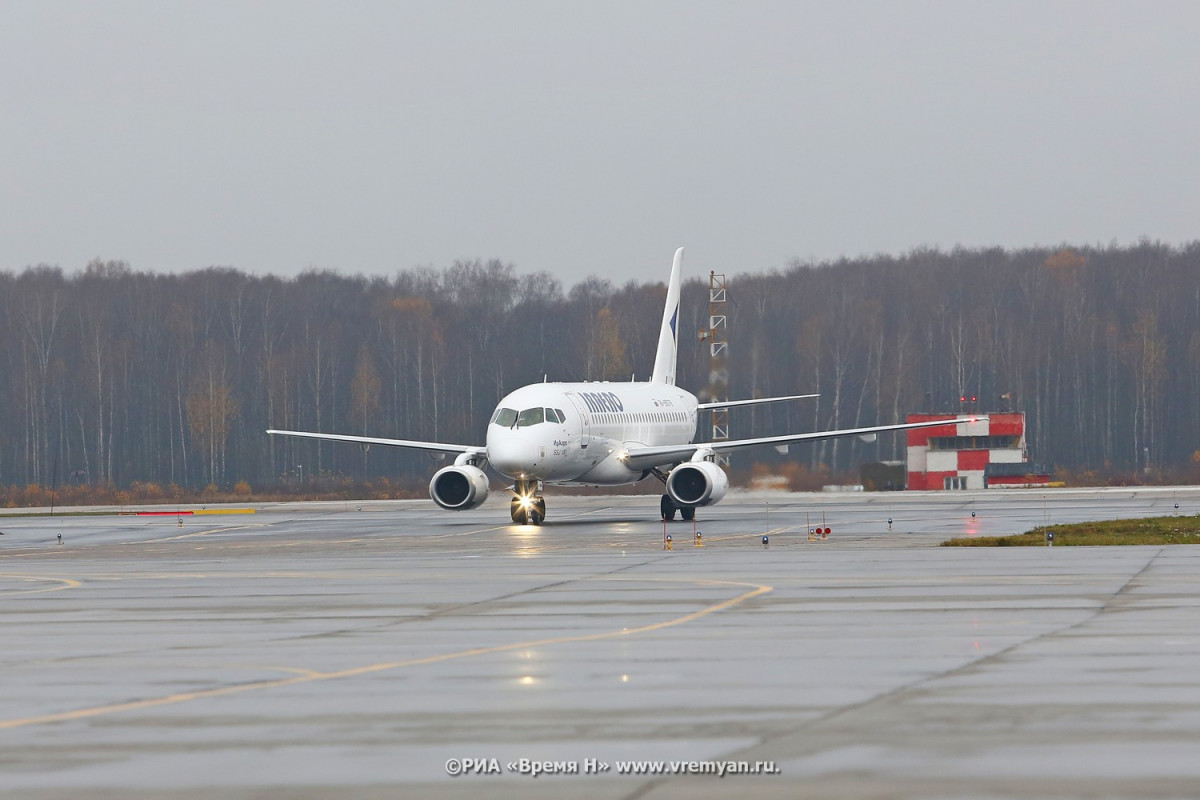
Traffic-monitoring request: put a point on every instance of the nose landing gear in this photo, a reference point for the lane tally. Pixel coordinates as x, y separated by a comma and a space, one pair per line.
527, 508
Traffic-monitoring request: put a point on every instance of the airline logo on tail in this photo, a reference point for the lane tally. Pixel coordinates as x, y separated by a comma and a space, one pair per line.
668, 336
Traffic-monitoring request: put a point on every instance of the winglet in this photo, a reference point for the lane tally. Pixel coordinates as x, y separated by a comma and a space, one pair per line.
668, 334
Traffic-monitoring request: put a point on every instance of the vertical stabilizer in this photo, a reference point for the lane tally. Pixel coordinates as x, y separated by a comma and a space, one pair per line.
668, 334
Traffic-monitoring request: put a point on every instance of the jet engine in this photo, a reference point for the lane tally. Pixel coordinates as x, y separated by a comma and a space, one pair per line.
459, 487
697, 483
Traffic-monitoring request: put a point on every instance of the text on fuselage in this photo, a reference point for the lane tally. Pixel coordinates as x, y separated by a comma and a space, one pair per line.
602, 401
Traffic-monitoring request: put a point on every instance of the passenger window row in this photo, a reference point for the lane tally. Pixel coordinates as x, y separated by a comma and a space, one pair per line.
508, 417
658, 416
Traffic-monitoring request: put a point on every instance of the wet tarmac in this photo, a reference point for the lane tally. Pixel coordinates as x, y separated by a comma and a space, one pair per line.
371, 649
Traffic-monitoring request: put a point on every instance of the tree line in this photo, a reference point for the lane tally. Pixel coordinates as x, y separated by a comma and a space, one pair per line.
112, 376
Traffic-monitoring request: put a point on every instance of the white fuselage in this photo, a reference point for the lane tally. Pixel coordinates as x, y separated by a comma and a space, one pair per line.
563, 433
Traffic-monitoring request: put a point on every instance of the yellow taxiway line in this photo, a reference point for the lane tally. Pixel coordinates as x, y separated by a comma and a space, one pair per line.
310, 677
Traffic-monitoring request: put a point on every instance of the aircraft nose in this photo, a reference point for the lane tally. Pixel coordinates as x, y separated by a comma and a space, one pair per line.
510, 454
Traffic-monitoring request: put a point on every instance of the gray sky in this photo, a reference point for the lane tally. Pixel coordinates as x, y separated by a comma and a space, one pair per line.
588, 137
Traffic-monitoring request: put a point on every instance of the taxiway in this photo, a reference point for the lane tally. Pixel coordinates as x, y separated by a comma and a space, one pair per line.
359, 648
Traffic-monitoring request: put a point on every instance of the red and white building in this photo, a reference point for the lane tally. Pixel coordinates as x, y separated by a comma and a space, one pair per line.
989, 453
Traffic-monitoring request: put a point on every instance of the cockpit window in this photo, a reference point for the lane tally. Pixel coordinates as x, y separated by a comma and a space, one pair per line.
561, 416
504, 417
552, 416
531, 416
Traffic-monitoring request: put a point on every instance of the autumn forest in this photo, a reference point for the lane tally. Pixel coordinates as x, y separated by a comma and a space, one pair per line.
114, 376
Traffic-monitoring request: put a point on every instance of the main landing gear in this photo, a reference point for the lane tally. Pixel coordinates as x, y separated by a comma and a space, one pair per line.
667, 505
527, 508
668, 508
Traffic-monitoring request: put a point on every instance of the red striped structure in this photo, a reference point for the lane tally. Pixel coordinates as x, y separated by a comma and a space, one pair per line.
956, 456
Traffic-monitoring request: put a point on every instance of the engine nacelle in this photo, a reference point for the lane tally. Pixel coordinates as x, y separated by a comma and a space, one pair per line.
459, 488
697, 483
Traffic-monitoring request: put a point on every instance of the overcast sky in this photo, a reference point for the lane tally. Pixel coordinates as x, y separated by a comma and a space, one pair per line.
588, 137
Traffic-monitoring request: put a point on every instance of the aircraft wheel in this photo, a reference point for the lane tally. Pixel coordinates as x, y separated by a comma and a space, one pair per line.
688, 513
531, 514
667, 507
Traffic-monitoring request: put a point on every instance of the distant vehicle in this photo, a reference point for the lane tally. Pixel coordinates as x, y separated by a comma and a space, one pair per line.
600, 434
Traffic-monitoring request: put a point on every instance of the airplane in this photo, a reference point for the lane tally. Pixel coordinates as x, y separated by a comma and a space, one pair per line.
602, 434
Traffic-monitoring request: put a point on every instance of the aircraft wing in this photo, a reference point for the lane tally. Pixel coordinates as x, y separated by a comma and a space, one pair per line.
436, 447
665, 455
729, 403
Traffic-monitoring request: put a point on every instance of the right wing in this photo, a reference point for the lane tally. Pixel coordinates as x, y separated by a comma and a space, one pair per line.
435, 447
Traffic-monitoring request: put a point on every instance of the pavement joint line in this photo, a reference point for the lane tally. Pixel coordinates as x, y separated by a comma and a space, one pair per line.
896, 693
458, 609
312, 676
468, 533
221, 529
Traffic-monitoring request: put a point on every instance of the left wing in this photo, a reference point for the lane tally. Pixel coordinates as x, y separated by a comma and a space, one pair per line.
665, 455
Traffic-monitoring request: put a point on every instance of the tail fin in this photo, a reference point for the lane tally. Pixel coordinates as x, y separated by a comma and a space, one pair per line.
668, 334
